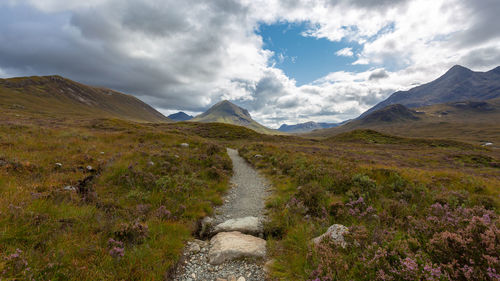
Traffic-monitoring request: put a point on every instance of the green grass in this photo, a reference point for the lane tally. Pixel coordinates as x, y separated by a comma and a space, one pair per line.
148, 192
400, 178
138, 170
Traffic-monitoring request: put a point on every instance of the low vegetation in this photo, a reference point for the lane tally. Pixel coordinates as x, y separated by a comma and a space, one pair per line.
416, 209
102, 199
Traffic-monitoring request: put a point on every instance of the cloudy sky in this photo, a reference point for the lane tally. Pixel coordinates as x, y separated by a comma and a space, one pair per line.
286, 61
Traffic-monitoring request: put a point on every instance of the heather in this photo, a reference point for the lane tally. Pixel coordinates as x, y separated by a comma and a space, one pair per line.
415, 209
102, 199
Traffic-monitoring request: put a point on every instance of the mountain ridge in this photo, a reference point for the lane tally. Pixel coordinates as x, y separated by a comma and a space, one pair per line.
305, 127
56, 95
457, 84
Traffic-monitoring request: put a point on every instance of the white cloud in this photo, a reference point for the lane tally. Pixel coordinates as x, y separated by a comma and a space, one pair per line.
346, 52
189, 54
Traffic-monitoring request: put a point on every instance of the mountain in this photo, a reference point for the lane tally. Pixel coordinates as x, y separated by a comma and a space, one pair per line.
180, 116
305, 127
229, 113
457, 84
390, 114
58, 96
476, 121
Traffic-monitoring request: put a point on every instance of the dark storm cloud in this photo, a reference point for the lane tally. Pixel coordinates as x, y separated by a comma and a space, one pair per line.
485, 16
87, 45
481, 57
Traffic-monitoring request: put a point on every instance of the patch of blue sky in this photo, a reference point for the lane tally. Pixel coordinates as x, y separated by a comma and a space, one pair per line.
305, 58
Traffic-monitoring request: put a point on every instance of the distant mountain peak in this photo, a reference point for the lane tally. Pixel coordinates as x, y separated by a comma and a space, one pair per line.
229, 113
180, 116
230, 108
457, 84
305, 127
458, 67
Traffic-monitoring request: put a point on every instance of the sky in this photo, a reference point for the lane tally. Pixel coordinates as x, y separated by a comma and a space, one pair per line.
286, 61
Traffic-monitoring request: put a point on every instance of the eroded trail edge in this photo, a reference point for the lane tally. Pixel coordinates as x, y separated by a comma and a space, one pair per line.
233, 248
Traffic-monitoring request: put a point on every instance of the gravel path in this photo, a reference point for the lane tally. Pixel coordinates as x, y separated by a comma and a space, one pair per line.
245, 198
248, 193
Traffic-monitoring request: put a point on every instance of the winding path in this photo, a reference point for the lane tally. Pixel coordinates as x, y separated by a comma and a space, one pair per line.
245, 198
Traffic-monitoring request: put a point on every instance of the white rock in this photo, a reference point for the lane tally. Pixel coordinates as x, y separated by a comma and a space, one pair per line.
335, 233
185, 144
89, 168
249, 225
233, 245
58, 165
70, 188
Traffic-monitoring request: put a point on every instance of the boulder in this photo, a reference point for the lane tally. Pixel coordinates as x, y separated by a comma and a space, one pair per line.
184, 144
336, 233
227, 246
248, 225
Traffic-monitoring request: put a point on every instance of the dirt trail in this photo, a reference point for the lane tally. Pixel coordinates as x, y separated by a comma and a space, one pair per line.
245, 198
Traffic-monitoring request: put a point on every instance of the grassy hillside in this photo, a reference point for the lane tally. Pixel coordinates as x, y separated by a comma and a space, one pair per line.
55, 96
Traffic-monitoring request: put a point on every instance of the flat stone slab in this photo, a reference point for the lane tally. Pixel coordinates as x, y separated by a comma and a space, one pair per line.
248, 225
226, 246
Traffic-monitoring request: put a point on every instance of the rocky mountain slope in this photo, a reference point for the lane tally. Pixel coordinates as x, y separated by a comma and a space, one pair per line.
457, 84
58, 96
229, 113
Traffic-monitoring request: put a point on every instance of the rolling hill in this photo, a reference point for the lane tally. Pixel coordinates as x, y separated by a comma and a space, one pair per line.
229, 113
457, 84
305, 127
60, 97
180, 116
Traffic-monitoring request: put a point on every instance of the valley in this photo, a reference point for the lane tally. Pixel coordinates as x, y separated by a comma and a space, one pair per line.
99, 189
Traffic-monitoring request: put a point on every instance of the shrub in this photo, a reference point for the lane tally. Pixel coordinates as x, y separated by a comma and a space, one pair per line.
134, 233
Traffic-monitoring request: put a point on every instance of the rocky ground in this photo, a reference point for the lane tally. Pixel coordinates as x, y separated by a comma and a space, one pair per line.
235, 250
